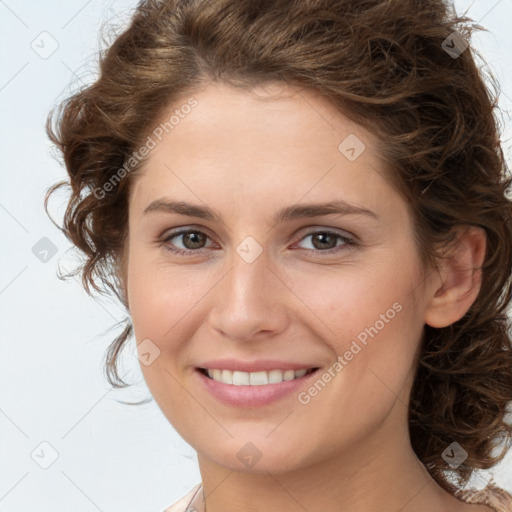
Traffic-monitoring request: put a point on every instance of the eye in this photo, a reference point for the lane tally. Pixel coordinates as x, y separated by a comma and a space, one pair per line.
192, 239
326, 242
322, 241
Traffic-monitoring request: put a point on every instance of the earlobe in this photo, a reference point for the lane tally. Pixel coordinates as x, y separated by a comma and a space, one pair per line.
460, 278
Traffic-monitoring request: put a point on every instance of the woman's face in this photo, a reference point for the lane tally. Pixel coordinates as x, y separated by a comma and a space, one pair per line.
341, 292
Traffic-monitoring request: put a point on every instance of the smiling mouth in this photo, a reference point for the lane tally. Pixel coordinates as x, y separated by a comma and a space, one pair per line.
261, 378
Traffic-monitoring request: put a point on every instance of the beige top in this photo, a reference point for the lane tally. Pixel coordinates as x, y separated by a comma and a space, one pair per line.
191, 502
494, 497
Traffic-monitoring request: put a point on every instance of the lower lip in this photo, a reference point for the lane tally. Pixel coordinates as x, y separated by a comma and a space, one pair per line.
252, 396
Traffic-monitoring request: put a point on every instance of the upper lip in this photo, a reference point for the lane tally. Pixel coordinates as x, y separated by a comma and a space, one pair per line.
253, 366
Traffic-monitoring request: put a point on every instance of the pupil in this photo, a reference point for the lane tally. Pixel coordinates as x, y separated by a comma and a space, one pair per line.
324, 236
188, 236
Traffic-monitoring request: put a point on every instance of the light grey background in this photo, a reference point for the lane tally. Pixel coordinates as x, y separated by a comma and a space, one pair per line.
111, 456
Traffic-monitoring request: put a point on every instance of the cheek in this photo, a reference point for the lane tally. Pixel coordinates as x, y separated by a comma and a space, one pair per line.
348, 299
160, 299
372, 326
370, 319
160, 295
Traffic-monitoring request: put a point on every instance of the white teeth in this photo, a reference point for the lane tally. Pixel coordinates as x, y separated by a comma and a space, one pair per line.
238, 378
227, 376
275, 376
288, 375
257, 378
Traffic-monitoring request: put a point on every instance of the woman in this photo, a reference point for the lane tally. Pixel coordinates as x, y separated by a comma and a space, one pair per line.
302, 206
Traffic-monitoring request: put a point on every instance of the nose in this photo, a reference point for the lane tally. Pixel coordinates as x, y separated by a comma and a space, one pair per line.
251, 300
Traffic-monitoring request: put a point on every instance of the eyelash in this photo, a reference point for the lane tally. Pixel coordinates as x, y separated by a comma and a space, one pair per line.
347, 242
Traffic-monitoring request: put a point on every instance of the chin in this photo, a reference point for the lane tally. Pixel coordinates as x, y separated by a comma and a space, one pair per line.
258, 456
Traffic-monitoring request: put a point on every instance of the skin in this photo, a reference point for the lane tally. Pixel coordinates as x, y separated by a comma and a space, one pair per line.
348, 449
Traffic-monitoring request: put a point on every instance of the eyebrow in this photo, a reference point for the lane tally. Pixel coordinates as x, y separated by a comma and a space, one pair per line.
288, 213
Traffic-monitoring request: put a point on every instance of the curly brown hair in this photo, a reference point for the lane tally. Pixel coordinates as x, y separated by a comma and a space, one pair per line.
385, 64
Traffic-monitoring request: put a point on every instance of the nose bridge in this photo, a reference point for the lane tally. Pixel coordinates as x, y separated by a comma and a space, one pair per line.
249, 299
248, 279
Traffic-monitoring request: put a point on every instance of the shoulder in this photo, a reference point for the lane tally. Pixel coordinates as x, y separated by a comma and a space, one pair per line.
182, 504
492, 496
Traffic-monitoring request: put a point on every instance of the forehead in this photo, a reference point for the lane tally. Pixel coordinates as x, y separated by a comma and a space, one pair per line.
274, 143
275, 116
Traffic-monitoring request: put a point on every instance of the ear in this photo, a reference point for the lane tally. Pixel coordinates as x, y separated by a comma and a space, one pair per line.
460, 278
